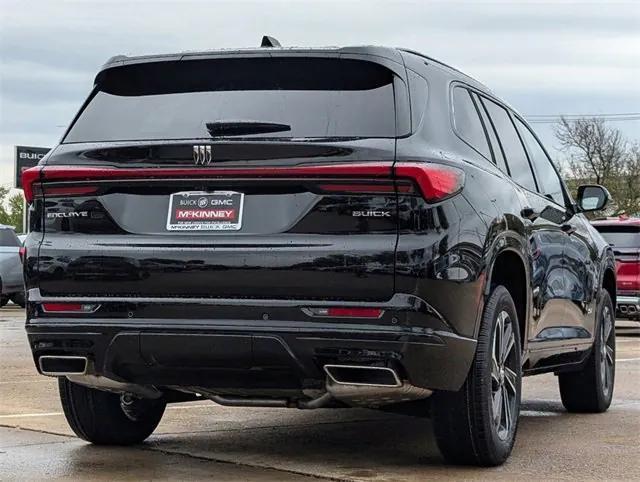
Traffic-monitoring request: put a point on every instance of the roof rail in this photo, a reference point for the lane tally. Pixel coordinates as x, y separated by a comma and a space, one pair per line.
439, 62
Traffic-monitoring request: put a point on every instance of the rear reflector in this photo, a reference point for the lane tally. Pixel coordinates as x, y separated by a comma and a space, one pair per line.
69, 307
345, 312
435, 181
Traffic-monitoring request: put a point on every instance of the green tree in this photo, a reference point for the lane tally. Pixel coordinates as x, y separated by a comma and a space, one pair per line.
11, 208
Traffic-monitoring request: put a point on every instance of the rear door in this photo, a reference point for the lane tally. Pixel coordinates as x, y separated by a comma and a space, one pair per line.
233, 178
542, 218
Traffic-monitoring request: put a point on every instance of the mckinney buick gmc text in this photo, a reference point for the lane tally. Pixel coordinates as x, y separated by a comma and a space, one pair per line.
335, 227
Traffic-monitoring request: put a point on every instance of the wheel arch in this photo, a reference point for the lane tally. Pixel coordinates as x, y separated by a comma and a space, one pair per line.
609, 283
508, 268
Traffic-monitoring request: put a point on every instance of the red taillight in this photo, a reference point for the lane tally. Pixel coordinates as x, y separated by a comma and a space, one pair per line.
22, 252
435, 181
69, 307
29, 178
345, 312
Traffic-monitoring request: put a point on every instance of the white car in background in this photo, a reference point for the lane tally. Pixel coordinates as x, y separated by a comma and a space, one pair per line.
11, 278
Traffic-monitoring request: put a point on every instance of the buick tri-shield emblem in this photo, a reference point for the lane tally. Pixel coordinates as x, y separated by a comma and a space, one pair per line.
202, 155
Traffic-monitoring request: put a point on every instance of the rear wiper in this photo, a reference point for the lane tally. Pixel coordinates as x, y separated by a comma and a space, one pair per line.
237, 128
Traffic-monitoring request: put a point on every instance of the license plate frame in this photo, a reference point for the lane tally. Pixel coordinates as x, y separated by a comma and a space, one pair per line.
205, 211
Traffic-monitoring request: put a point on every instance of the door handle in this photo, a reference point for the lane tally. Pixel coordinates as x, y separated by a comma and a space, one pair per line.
529, 213
568, 228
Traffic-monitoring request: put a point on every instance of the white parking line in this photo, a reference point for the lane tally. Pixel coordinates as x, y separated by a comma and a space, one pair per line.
29, 415
54, 414
626, 359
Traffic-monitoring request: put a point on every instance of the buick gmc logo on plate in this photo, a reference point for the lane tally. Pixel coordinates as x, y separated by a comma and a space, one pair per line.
202, 211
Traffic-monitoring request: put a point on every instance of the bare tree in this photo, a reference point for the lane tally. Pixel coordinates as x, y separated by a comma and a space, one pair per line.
598, 153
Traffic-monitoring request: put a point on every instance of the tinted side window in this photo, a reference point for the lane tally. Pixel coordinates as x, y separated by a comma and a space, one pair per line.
511, 145
467, 122
548, 179
498, 156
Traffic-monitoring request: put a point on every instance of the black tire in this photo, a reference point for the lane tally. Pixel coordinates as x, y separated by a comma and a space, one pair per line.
97, 416
591, 389
18, 299
4, 299
464, 424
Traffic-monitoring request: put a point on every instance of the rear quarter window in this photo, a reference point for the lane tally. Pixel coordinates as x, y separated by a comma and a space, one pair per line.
467, 122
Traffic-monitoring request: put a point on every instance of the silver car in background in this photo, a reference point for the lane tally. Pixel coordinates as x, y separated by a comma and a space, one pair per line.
11, 278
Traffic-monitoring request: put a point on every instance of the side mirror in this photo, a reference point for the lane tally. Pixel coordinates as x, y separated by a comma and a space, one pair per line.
592, 197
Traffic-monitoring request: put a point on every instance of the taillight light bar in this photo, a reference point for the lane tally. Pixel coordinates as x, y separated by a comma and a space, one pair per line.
59, 191
389, 187
434, 181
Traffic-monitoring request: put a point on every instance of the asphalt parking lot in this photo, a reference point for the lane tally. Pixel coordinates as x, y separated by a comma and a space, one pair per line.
201, 440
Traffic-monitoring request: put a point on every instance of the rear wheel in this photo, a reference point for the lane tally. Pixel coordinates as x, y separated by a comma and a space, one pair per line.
18, 299
591, 389
4, 299
477, 425
101, 418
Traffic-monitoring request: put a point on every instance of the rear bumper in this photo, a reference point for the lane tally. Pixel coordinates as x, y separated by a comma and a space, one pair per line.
252, 355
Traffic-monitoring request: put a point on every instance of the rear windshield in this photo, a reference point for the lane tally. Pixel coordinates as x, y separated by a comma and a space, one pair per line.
621, 236
293, 97
8, 238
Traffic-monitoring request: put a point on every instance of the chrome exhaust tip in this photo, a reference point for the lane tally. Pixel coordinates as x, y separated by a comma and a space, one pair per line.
623, 308
362, 375
63, 365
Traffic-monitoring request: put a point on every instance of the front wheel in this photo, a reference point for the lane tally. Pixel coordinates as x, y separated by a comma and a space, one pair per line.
101, 418
591, 389
477, 425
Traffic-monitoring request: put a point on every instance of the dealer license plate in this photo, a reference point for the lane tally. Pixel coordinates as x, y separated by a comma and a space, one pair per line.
205, 211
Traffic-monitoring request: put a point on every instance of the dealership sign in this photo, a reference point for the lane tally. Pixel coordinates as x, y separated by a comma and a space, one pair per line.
27, 157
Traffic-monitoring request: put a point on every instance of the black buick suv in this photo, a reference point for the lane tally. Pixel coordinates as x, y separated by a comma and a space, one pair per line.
311, 228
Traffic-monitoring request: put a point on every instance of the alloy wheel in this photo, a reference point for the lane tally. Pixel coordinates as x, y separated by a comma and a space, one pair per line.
607, 351
504, 378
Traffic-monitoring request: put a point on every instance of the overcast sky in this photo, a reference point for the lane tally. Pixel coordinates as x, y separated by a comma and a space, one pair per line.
543, 57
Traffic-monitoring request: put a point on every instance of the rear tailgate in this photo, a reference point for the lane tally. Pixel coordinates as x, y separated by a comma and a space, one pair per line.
305, 211
301, 232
